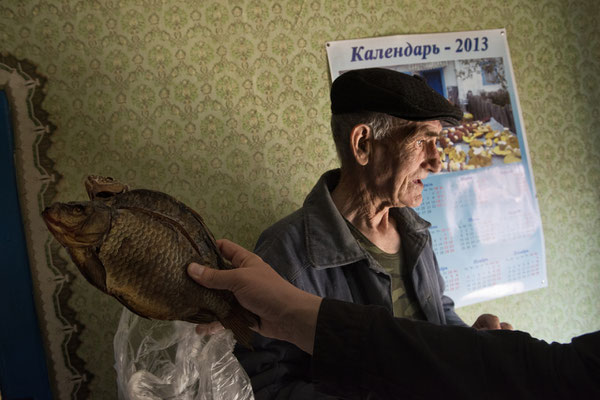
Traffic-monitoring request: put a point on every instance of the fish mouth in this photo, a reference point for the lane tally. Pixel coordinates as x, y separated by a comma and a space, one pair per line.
47, 217
52, 223
103, 187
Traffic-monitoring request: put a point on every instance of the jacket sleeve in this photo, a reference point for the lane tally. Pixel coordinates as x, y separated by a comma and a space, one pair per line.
451, 317
277, 369
363, 352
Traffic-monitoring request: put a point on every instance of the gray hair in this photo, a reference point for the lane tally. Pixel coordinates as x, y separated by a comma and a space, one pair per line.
382, 125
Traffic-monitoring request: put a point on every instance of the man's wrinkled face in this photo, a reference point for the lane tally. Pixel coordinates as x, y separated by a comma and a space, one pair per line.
400, 164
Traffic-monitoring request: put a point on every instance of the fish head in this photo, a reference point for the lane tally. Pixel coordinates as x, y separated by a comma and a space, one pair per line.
78, 224
100, 187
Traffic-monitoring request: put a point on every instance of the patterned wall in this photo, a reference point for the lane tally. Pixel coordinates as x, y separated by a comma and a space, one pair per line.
224, 104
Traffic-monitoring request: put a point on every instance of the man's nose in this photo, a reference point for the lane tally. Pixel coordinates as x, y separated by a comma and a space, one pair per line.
432, 158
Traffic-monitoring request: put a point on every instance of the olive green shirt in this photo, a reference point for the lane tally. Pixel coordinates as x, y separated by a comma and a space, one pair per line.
404, 299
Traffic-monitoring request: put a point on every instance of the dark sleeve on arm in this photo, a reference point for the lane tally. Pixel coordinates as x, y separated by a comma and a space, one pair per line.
363, 352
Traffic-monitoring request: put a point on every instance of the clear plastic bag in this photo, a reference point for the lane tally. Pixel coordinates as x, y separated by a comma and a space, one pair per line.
169, 360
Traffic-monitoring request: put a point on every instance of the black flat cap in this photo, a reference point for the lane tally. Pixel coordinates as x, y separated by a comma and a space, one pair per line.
390, 92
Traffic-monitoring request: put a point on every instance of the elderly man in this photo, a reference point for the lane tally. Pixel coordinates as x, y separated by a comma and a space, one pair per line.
356, 237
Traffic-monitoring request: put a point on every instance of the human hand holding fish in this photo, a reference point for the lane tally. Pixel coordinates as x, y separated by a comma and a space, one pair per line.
285, 312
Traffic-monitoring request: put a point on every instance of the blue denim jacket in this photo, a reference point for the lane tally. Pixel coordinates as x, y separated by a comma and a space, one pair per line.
314, 249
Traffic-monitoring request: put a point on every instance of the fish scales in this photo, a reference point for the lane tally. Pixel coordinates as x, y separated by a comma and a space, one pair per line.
190, 221
145, 261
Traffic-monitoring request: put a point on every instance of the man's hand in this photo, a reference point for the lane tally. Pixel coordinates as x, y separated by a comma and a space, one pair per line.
490, 321
285, 312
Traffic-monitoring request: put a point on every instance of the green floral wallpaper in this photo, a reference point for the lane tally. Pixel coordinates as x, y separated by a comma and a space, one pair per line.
224, 104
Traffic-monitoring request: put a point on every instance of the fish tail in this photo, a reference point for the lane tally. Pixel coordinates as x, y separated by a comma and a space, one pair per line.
239, 320
240, 328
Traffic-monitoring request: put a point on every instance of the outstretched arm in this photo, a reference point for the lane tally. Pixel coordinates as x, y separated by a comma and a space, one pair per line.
364, 350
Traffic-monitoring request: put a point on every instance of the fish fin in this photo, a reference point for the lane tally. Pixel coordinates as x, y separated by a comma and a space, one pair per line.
239, 320
90, 266
202, 317
240, 328
124, 303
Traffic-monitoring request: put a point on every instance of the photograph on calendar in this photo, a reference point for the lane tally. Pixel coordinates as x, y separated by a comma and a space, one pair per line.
486, 136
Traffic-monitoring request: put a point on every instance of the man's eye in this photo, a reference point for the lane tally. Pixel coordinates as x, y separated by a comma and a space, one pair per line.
420, 142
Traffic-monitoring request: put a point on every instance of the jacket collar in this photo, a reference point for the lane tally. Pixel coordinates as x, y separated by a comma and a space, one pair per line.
329, 240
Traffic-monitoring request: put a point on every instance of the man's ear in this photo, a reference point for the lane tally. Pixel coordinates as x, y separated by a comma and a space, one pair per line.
361, 143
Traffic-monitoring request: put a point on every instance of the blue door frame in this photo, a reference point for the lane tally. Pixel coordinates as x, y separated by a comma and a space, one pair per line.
23, 372
435, 79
